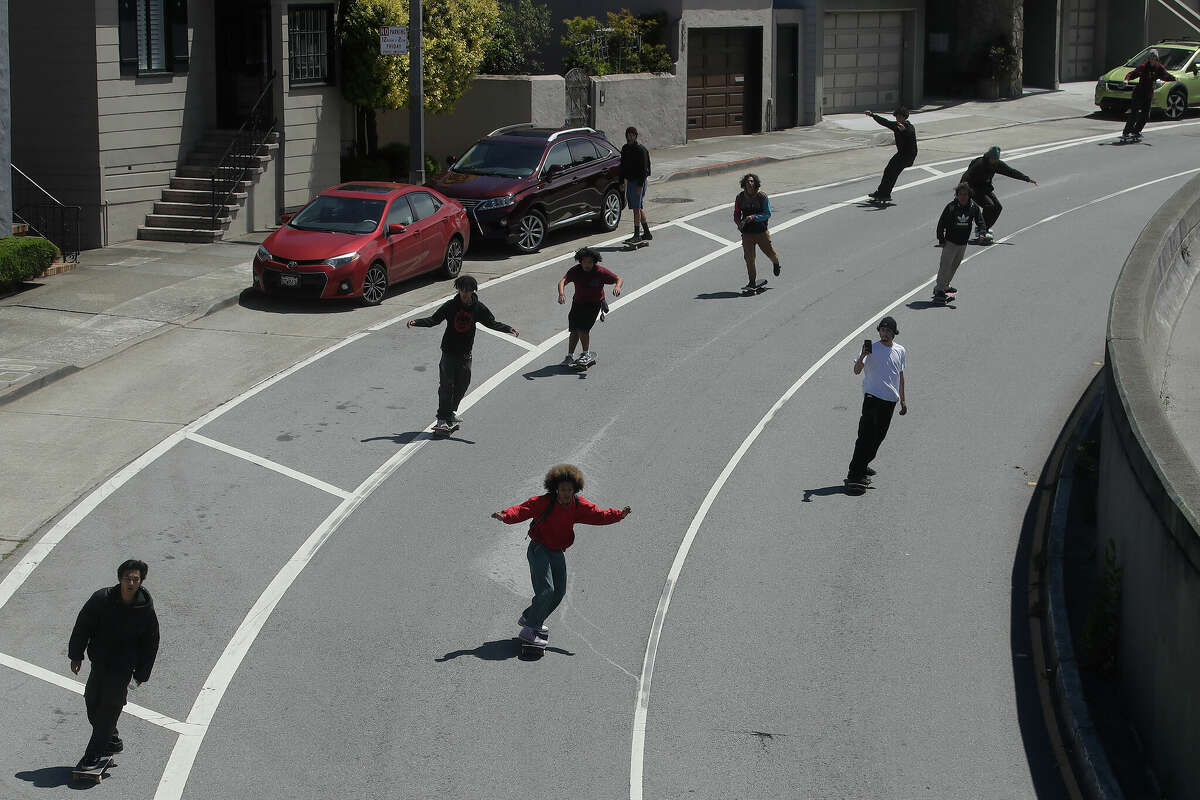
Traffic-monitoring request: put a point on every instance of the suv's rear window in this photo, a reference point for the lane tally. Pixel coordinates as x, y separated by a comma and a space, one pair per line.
1171, 57
503, 158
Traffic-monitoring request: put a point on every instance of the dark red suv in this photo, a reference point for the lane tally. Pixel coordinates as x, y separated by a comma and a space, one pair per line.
521, 182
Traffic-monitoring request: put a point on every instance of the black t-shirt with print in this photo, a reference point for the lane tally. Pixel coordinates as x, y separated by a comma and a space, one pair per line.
460, 320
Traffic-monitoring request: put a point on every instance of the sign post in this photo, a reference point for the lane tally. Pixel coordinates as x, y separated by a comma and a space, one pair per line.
416, 98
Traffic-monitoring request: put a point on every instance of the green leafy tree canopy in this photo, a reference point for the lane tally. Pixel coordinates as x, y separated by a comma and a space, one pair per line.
519, 39
622, 44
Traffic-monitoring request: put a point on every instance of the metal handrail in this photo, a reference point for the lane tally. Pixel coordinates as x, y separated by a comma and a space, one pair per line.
39, 187
230, 170
55, 221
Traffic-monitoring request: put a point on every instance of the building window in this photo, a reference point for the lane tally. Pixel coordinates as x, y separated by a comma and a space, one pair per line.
152, 36
310, 44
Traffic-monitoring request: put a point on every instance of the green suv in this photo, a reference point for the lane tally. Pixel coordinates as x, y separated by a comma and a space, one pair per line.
1181, 57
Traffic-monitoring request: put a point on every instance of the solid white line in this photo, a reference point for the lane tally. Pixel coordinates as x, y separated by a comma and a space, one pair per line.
266, 463
71, 685
702, 232
508, 337
932, 171
641, 709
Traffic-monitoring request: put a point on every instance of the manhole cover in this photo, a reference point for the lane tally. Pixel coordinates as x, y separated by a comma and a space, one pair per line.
671, 199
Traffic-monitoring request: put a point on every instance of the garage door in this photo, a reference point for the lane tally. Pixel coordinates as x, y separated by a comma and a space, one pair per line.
717, 81
1078, 41
863, 56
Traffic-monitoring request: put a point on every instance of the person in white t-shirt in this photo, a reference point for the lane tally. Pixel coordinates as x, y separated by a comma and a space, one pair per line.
882, 366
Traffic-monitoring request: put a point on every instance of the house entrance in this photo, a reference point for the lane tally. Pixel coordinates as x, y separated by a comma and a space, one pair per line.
243, 56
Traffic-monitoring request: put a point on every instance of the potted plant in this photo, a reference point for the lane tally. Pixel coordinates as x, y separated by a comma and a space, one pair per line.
1001, 67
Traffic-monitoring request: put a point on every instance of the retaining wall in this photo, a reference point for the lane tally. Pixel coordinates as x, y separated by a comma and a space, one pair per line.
1149, 494
654, 103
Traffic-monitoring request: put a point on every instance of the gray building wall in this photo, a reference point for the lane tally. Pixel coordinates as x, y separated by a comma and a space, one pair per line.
5, 127
147, 125
55, 134
654, 104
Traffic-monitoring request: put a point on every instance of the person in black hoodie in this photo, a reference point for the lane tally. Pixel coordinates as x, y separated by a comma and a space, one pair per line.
953, 233
460, 313
906, 151
1147, 73
635, 169
118, 629
979, 176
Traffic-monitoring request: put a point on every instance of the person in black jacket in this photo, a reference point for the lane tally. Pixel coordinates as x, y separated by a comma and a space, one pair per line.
635, 169
979, 176
906, 151
118, 629
460, 313
1147, 73
953, 233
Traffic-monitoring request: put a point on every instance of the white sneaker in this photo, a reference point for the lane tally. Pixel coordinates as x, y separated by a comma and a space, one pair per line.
441, 426
530, 636
542, 630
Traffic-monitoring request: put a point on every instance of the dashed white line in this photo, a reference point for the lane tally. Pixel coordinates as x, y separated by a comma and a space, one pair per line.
267, 463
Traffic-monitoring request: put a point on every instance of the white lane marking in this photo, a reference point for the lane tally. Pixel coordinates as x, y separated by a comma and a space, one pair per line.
71, 685
931, 170
702, 232
267, 463
641, 709
508, 337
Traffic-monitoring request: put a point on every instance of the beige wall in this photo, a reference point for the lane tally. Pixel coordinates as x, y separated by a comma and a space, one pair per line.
492, 102
310, 129
654, 104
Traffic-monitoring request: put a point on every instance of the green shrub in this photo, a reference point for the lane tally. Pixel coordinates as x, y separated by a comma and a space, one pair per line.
390, 163
23, 258
623, 44
519, 39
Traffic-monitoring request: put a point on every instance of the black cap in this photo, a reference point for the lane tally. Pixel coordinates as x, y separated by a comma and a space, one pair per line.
888, 322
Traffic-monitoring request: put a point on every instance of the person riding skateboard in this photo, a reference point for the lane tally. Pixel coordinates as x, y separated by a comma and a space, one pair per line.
635, 169
979, 175
1147, 73
953, 233
883, 386
552, 531
906, 151
590, 279
118, 630
460, 313
751, 214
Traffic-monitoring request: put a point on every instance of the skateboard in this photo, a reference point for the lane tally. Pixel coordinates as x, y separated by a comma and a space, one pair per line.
532, 652
443, 434
756, 289
95, 775
948, 298
583, 363
1132, 138
631, 245
855, 488
984, 240
875, 201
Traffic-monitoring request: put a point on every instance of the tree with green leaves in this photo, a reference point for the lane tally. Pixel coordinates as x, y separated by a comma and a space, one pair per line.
455, 34
623, 43
519, 39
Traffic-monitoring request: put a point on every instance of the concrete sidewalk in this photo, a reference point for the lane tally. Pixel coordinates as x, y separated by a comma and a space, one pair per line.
129, 292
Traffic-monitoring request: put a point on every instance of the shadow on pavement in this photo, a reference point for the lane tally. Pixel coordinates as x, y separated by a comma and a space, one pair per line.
47, 777
718, 295
921, 305
553, 369
825, 491
496, 650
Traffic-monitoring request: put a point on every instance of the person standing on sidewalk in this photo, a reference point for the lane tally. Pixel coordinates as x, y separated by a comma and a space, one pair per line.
883, 387
751, 213
635, 170
118, 630
906, 151
460, 313
590, 279
979, 175
552, 531
1147, 73
953, 233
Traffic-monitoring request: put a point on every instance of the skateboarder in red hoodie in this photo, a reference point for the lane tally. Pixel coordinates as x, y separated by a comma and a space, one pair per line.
552, 531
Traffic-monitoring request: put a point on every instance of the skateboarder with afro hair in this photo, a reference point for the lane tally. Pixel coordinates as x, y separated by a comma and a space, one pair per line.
552, 531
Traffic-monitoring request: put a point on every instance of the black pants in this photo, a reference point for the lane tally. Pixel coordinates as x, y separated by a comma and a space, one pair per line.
891, 173
872, 427
1139, 112
989, 203
104, 696
454, 373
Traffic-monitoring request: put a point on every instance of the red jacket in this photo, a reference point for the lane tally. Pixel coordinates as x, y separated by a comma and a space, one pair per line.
557, 529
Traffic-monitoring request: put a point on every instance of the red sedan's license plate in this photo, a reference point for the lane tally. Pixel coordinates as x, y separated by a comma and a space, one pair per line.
289, 280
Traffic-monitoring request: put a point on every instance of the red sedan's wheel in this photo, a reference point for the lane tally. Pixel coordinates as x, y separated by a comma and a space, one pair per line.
452, 265
375, 285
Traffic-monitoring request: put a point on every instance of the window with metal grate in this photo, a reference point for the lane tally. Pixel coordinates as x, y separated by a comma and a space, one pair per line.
310, 44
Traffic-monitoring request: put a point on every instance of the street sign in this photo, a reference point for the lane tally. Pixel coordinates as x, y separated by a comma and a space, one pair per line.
393, 40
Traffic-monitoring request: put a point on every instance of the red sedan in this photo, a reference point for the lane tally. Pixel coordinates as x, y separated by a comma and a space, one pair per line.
356, 239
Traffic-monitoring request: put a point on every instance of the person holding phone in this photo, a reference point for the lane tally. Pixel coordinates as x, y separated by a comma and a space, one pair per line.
882, 366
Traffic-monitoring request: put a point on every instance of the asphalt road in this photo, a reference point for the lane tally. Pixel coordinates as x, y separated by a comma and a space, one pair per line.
339, 616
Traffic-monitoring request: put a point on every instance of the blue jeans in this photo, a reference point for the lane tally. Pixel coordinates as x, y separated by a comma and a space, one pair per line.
548, 573
635, 192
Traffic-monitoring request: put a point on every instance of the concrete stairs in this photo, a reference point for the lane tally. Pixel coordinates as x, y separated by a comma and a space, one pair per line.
186, 212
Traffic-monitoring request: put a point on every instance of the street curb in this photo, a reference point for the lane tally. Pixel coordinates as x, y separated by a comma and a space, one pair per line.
733, 166
1087, 755
29, 387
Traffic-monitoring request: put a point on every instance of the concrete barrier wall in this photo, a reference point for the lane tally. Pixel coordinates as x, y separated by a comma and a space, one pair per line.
1149, 493
655, 104
493, 101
